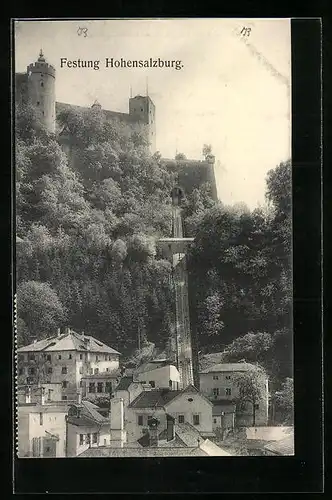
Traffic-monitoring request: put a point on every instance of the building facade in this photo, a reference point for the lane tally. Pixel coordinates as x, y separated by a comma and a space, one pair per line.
219, 384
65, 359
41, 430
159, 374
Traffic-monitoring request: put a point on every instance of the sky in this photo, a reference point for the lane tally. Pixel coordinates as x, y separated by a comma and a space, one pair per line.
227, 94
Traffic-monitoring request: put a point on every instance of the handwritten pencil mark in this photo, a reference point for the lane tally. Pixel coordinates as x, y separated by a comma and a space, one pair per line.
245, 31
82, 31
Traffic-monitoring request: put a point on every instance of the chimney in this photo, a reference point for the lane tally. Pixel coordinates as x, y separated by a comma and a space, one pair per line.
79, 397
118, 434
28, 395
58, 332
153, 424
42, 395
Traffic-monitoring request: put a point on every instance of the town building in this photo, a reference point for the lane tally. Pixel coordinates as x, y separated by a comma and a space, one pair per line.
219, 384
41, 429
160, 374
100, 385
66, 359
187, 405
86, 428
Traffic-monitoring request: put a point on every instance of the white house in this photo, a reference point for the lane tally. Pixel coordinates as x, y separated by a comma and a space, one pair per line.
187, 405
65, 358
160, 374
41, 430
86, 428
219, 384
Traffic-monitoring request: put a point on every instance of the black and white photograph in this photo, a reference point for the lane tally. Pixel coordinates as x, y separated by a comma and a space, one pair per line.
153, 238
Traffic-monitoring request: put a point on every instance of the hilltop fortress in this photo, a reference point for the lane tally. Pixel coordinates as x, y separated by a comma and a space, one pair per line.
37, 86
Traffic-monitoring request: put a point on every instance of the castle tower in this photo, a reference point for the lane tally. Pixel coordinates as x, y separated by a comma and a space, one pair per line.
41, 90
175, 249
142, 110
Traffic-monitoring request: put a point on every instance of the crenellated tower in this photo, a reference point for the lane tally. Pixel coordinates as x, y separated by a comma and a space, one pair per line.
41, 90
142, 110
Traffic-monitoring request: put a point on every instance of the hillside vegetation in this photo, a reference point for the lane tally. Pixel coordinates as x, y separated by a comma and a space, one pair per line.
87, 255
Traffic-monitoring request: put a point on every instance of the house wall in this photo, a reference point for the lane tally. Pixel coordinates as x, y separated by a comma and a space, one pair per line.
32, 425
198, 406
135, 431
74, 447
162, 377
129, 395
23, 442
226, 380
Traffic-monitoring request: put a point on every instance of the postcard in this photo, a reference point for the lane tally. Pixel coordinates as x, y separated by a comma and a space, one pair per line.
153, 238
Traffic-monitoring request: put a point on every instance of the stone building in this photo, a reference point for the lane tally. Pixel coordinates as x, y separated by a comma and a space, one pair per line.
65, 358
38, 87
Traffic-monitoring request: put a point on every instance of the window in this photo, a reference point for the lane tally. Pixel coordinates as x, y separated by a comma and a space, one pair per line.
95, 437
216, 392
215, 377
31, 357
97, 358
38, 103
64, 398
81, 370
143, 382
228, 391
49, 370
88, 439
49, 357
81, 439
196, 419
49, 397
181, 419
107, 369
81, 356
70, 356
228, 377
256, 406
32, 371
108, 387
64, 369
100, 387
152, 383
59, 357
64, 384
142, 109
214, 420
140, 420
40, 419
170, 384
91, 387
96, 370
81, 383
42, 84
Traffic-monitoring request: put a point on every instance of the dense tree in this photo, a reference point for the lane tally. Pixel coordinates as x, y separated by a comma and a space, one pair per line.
284, 402
251, 387
40, 308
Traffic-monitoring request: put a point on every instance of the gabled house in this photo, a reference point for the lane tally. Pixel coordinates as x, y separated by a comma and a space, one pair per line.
187, 405
86, 428
160, 374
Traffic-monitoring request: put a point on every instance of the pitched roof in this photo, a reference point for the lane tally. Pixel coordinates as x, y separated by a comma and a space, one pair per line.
229, 367
152, 365
162, 451
188, 434
71, 341
213, 450
158, 398
124, 383
89, 415
103, 375
283, 447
